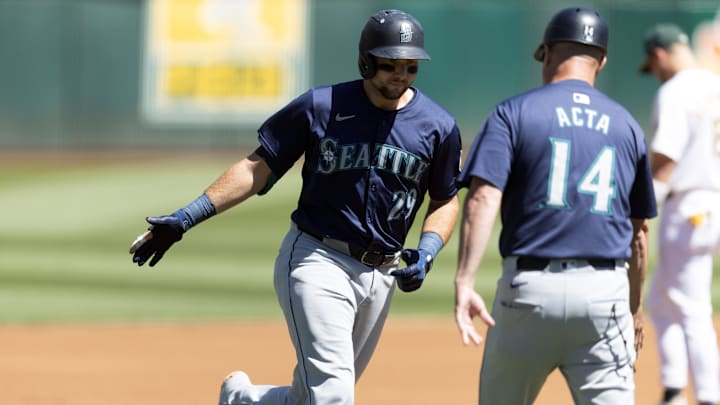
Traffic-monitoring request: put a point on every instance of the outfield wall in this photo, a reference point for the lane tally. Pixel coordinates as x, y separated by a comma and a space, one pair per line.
72, 70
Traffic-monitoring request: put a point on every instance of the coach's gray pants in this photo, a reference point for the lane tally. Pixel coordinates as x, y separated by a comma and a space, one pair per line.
576, 319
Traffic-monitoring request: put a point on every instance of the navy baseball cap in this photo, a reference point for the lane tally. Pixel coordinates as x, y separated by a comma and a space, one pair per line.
661, 36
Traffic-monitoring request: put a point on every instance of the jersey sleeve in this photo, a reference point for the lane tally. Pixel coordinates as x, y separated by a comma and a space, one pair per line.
446, 164
671, 126
642, 194
285, 135
490, 157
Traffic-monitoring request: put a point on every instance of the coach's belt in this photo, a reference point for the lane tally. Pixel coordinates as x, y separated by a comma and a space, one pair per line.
530, 263
366, 257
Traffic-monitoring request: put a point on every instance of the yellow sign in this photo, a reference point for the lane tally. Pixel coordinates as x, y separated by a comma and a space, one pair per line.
223, 61
223, 81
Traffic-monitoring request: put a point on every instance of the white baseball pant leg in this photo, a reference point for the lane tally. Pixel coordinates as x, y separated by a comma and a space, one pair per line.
335, 309
680, 302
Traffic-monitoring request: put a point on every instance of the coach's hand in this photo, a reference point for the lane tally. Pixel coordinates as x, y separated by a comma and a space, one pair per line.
163, 232
468, 305
418, 263
639, 327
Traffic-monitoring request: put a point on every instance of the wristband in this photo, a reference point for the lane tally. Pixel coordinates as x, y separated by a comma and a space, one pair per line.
431, 242
197, 211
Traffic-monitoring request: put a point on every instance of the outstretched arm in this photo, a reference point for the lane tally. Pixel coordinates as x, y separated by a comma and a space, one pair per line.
239, 182
482, 203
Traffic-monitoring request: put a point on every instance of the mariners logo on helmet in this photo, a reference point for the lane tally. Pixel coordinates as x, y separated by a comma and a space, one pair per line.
406, 32
575, 24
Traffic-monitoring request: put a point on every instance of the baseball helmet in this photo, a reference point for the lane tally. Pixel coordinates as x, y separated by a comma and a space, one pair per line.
575, 24
390, 34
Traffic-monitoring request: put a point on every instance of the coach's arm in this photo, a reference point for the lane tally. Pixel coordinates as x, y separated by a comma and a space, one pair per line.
480, 209
636, 274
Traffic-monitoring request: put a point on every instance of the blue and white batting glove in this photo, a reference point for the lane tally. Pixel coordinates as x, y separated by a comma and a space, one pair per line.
419, 262
165, 230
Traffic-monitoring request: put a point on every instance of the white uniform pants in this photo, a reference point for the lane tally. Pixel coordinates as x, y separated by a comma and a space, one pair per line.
679, 299
335, 309
575, 318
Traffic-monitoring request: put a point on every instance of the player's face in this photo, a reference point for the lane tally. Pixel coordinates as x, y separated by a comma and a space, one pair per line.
661, 65
394, 76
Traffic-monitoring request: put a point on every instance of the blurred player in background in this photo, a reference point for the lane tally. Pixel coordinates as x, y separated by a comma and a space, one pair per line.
685, 161
569, 169
373, 149
706, 44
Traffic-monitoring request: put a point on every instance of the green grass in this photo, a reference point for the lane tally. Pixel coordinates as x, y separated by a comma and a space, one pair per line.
65, 235
65, 232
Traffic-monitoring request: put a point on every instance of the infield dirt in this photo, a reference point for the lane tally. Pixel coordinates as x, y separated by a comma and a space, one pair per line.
419, 361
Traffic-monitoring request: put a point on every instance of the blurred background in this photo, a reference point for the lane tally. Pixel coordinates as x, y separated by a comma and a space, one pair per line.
206, 73
114, 110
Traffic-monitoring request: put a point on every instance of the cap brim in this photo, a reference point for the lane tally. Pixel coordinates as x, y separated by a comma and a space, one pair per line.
645, 67
399, 52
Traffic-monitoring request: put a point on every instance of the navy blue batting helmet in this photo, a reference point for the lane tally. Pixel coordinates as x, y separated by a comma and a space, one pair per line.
390, 34
575, 24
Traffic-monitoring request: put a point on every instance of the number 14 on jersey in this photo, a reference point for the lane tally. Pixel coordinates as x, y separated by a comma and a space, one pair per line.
597, 180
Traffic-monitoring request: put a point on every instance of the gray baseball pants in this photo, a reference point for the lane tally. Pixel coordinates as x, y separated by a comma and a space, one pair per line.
569, 316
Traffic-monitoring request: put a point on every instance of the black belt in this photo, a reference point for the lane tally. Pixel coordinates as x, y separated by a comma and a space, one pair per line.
366, 257
529, 263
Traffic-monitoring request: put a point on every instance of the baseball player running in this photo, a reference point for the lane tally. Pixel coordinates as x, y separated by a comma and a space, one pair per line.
569, 170
372, 150
685, 161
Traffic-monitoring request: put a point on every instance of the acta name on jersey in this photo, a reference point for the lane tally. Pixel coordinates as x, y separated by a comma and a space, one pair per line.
336, 157
582, 117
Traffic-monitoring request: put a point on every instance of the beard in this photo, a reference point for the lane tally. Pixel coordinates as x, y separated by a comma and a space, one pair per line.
393, 93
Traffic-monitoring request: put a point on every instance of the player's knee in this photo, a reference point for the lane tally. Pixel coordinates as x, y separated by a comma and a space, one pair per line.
335, 388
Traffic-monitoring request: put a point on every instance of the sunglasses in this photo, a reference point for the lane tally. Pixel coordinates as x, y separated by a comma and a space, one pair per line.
388, 68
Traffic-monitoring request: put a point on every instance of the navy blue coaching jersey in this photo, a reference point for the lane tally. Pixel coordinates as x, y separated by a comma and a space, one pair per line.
573, 167
366, 170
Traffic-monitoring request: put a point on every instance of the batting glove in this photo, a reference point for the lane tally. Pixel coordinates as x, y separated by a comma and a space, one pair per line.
419, 262
165, 231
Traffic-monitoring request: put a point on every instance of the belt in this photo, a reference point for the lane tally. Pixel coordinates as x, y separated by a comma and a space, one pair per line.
366, 257
530, 263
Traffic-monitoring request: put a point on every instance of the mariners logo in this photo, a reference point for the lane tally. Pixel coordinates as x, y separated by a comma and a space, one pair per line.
406, 32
